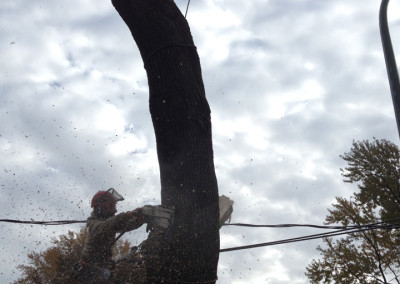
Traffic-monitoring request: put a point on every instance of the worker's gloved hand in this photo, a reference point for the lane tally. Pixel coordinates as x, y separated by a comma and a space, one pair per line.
138, 214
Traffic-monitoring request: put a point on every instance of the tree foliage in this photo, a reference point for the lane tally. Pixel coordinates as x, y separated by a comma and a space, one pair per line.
57, 263
375, 166
370, 256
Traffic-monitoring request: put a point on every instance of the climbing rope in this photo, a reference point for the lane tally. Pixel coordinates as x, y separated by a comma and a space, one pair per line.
187, 8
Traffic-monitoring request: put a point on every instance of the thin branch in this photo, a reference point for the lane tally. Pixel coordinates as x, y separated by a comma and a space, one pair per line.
375, 247
376, 250
394, 273
392, 192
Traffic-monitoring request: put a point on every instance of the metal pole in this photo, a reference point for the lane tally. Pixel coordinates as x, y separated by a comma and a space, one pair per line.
390, 61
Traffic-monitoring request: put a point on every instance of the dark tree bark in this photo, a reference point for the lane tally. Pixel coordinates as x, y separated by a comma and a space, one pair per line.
182, 125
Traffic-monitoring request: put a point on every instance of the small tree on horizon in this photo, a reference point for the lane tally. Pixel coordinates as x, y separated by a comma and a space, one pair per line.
370, 256
375, 167
57, 263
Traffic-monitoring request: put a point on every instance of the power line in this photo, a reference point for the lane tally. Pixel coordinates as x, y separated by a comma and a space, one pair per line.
291, 226
66, 222
339, 230
48, 223
315, 236
311, 226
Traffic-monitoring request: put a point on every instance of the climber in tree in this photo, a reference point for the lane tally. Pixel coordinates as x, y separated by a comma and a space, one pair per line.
103, 225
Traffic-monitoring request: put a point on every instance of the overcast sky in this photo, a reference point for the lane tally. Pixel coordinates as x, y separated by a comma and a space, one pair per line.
290, 83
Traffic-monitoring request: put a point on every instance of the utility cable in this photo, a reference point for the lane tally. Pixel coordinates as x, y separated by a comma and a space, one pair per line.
49, 223
291, 226
312, 237
310, 226
339, 230
65, 222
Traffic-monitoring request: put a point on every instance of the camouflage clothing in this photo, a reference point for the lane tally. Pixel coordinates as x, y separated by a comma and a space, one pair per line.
101, 236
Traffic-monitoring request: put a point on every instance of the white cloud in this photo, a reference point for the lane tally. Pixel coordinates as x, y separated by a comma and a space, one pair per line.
109, 118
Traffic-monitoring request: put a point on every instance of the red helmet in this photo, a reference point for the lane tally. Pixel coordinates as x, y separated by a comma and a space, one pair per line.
104, 199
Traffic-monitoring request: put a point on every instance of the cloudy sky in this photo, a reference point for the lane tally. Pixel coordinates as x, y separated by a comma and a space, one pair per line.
290, 83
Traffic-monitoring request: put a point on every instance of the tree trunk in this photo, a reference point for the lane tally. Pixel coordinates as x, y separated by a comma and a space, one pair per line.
182, 125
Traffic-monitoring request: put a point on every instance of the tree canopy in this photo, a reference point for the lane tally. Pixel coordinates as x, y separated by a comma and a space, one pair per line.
375, 166
370, 256
57, 263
